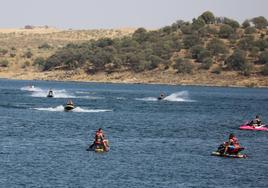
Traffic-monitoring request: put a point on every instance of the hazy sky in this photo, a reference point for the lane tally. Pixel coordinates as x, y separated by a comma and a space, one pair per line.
90, 14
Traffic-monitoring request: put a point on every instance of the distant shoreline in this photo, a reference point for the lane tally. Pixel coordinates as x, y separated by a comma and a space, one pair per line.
141, 78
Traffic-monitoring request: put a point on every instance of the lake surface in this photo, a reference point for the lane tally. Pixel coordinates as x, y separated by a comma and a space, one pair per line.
153, 143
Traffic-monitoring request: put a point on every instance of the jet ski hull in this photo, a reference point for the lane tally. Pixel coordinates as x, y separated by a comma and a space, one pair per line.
218, 154
100, 148
252, 128
69, 107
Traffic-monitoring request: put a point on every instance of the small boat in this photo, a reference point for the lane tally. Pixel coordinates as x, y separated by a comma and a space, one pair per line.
216, 153
253, 128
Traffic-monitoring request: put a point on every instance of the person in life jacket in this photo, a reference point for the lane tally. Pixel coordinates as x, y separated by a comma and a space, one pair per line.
255, 122
100, 140
99, 136
232, 146
50, 92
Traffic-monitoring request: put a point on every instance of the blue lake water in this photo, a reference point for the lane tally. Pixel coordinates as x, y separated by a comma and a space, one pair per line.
153, 143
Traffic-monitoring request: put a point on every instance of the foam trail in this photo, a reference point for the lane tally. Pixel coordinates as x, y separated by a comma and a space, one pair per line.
31, 88
57, 94
89, 97
147, 99
182, 96
51, 109
77, 109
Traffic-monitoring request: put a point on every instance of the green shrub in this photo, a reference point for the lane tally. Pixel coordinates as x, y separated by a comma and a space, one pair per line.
191, 40
3, 51
207, 63
45, 46
260, 22
12, 54
39, 62
237, 61
234, 24
246, 43
263, 58
217, 46
226, 31
183, 66
246, 24
4, 63
264, 70
208, 17
28, 54
250, 30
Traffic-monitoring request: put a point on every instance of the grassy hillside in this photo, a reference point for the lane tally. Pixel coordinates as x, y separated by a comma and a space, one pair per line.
209, 51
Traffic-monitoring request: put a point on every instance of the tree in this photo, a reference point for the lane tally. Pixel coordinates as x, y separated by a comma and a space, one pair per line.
140, 35
246, 43
198, 23
263, 58
237, 61
195, 50
234, 24
191, 40
226, 31
186, 28
261, 44
246, 24
207, 62
260, 22
208, 17
217, 46
183, 66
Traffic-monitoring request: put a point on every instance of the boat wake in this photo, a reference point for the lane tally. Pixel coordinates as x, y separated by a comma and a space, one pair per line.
57, 94
147, 99
182, 96
31, 89
77, 109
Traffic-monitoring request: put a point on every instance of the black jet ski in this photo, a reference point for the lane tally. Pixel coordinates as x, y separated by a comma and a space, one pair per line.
161, 96
69, 107
232, 154
99, 147
50, 94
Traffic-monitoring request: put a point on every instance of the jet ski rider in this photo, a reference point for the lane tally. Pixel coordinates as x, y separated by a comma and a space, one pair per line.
255, 122
100, 139
232, 146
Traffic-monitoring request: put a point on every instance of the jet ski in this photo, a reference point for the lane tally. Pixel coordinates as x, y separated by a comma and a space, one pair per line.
50, 94
215, 153
161, 97
104, 147
231, 154
246, 126
68, 107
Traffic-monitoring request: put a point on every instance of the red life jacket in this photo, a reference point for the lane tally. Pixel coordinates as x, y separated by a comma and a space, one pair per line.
234, 142
99, 137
